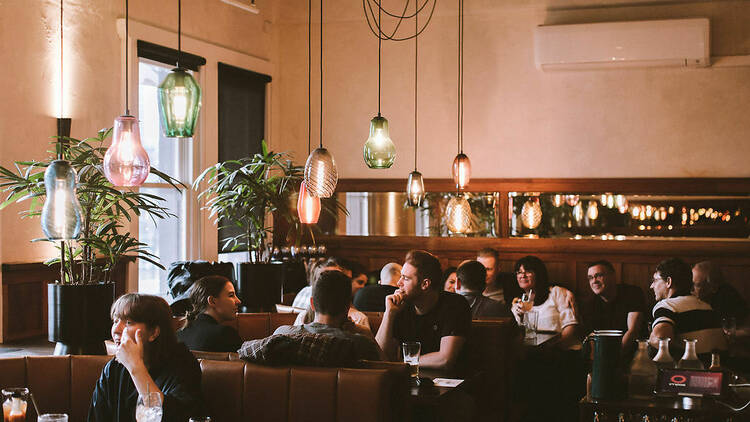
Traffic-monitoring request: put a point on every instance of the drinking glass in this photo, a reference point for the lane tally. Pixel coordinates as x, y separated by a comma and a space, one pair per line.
200, 419
15, 401
412, 350
729, 326
53, 417
526, 303
148, 408
530, 323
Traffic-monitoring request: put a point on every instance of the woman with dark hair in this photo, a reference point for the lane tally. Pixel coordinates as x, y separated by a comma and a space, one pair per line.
449, 279
148, 360
213, 302
555, 305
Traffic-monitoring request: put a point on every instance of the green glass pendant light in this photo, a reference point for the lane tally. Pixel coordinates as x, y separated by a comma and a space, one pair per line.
179, 95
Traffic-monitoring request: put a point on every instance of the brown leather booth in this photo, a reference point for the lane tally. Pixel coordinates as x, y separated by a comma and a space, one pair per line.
233, 390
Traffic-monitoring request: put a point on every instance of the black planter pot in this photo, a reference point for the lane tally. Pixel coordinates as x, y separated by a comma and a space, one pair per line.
259, 286
78, 317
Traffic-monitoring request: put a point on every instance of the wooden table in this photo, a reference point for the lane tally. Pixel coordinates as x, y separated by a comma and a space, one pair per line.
427, 398
542, 339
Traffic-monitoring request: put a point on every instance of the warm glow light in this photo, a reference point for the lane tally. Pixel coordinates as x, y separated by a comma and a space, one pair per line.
592, 211
126, 163
61, 214
458, 215
320, 173
179, 104
308, 206
379, 151
415, 189
558, 200
571, 200
461, 171
531, 213
578, 212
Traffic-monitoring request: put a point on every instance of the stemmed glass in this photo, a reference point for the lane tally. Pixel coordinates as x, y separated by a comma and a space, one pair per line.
149, 407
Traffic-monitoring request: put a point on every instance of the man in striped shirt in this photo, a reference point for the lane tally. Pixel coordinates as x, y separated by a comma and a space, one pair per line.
678, 315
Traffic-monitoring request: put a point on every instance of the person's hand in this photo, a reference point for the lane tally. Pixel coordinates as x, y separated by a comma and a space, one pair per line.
517, 307
395, 302
130, 352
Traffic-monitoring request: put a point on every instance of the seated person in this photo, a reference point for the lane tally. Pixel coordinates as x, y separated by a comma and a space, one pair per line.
372, 298
308, 315
449, 279
498, 283
612, 306
331, 300
470, 282
302, 300
359, 276
555, 305
710, 286
148, 359
213, 302
420, 310
679, 315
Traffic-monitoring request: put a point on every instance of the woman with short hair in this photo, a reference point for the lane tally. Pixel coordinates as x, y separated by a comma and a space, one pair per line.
149, 359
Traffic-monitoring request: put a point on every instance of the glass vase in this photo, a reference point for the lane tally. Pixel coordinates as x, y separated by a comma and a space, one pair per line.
663, 359
690, 358
643, 370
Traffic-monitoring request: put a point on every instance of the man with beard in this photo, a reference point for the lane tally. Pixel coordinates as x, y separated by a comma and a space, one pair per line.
421, 311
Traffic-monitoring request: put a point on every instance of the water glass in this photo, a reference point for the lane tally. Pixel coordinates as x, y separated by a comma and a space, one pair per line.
53, 417
149, 408
412, 350
530, 320
200, 419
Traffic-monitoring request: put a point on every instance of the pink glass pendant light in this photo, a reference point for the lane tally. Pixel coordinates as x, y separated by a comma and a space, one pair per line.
308, 206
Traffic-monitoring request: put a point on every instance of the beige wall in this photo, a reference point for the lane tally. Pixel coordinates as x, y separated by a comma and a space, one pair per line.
29, 53
521, 122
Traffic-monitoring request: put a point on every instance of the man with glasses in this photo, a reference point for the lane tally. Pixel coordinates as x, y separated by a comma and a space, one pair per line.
613, 306
679, 315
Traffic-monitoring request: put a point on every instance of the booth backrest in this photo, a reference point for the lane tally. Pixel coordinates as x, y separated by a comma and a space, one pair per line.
233, 390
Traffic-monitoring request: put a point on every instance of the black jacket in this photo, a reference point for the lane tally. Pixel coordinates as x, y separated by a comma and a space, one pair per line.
207, 335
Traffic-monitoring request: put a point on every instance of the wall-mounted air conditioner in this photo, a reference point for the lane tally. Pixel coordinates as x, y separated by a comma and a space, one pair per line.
679, 42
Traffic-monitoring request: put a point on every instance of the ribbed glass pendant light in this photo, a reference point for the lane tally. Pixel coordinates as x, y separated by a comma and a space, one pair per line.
308, 206
531, 213
458, 215
379, 151
61, 214
179, 95
461, 169
126, 163
415, 185
320, 169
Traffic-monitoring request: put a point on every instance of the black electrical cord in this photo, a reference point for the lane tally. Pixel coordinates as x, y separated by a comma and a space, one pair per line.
366, 4
179, 32
127, 103
309, 72
416, 71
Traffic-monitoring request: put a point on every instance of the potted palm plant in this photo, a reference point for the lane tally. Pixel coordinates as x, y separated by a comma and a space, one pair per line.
79, 302
241, 194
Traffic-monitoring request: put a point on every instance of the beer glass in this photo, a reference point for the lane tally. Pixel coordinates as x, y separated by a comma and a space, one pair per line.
412, 350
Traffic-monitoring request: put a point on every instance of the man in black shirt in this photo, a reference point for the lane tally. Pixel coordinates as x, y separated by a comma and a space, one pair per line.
372, 298
470, 281
710, 286
613, 306
421, 311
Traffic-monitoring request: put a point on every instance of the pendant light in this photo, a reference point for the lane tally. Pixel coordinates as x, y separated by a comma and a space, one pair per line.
320, 169
379, 151
415, 185
126, 162
61, 214
458, 215
461, 169
308, 206
179, 95
531, 213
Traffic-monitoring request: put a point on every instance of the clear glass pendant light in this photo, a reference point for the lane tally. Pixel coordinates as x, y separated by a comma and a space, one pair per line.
379, 151
458, 215
308, 206
179, 95
126, 163
415, 185
461, 169
320, 173
415, 189
61, 215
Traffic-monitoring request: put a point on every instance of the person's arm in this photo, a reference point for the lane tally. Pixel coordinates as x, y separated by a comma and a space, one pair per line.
130, 355
450, 347
393, 305
661, 330
569, 336
635, 322
100, 409
565, 303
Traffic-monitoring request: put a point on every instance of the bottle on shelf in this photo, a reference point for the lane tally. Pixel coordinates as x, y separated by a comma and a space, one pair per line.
663, 359
690, 358
642, 378
715, 362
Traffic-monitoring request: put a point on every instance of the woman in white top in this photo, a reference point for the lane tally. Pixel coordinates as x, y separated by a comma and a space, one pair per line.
554, 305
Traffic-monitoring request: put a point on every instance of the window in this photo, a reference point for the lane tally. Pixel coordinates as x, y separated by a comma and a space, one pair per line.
168, 239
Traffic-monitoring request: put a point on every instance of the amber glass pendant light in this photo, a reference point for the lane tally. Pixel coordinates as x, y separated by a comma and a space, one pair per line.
531, 213
61, 214
461, 169
320, 169
179, 95
415, 185
379, 151
458, 215
126, 163
308, 206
